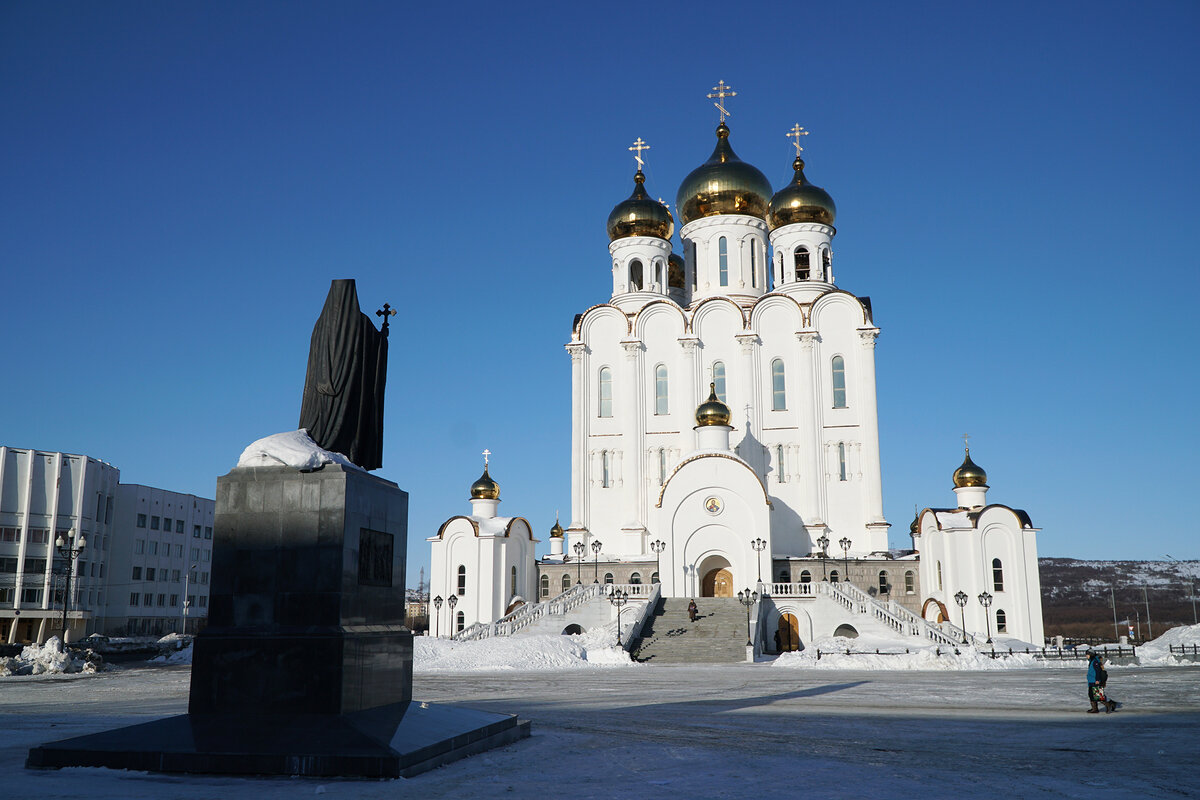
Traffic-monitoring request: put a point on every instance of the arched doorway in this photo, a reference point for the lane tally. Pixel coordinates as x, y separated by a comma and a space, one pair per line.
717, 583
789, 633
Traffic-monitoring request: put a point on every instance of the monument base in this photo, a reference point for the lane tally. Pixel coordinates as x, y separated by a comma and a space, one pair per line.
385, 742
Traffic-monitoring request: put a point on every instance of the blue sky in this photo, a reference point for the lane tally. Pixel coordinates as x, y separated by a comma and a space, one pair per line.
1015, 186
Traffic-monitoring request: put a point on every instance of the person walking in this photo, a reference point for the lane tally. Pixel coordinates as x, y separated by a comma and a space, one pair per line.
692, 611
1095, 690
1102, 665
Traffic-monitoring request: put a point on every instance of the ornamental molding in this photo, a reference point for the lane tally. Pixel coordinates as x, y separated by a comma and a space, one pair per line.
747, 341
868, 336
576, 351
631, 347
798, 227
631, 242
689, 344
722, 221
808, 339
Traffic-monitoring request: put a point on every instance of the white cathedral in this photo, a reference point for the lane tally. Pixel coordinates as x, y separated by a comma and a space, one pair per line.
725, 433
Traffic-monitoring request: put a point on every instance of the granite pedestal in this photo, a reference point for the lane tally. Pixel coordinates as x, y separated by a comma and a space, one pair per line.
305, 667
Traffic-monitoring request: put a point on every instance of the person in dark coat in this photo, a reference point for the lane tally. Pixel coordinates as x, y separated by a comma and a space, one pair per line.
1095, 690
692, 611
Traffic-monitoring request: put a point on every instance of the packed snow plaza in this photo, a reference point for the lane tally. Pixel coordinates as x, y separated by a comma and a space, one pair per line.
725, 438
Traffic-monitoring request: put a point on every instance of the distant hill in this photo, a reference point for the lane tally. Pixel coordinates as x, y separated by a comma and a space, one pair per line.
1077, 596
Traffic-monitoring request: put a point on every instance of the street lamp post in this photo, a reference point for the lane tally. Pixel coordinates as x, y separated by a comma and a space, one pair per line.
69, 550
823, 543
961, 598
452, 602
845, 543
618, 599
596, 545
580, 548
187, 580
748, 599
759, 545
985, 600
437, 616
658, 545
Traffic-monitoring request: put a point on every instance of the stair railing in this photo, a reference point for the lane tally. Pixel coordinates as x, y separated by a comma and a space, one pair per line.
647, 611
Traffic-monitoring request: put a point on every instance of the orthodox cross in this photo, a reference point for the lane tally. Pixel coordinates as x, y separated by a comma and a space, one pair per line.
486, 453
966, 445
385, 312
794, 134
721, 91
639, 146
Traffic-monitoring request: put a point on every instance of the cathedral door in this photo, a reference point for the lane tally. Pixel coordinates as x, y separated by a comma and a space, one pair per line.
717, 583
789, 633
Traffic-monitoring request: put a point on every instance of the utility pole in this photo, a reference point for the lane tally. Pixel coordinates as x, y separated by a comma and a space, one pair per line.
1113, 596
1149, 630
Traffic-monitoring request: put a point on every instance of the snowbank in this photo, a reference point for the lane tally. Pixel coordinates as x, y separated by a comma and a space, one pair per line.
533, 653
46, 659
177, 649
291, 449
892, 656
1157, 652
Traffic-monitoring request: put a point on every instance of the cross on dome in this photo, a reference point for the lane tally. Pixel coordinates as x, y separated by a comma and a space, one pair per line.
794, 134
639, 146
486, 453
721, 91
966, 443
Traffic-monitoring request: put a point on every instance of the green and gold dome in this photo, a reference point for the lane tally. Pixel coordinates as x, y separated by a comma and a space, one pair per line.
969, 474
800, 201
723, 185
640, 215
712, 411
485, 488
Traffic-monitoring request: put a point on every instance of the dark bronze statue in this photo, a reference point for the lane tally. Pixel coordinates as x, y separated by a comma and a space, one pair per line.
342, 408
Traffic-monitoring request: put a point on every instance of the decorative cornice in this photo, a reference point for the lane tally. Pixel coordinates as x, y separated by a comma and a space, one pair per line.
735, 459
747, 341
576, 350
808, 339
868, 336
722, 220
631, 347
689, 344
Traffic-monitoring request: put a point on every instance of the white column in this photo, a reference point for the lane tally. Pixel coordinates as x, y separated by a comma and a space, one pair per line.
870, 427
812, 463
579, 410
689, 381
634, 413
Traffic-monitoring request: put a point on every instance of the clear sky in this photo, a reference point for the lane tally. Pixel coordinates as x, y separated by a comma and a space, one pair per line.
1016, 192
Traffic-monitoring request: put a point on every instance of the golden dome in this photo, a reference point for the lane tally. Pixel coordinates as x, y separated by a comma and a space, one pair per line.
712, 411
915, 525
800, 201
640, 215
557, 531
723, 185
485, 488
969, 474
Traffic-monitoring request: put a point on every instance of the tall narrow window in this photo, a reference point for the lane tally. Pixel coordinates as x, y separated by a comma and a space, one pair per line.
839, 382
566, 582
884, 586
827, 264
635, 276
1001, 621
778, 268
635, 578
662, 466
939, 575
608, 578
803, 266
753, 264
834, 576
605, 399
605, 469
997, 575
692, 261
544, 585
718, 376
841, 461
460, 622
660, 389
780, 474
462, 579
658, 273
910, 582
778, 386
805, 576
723, 260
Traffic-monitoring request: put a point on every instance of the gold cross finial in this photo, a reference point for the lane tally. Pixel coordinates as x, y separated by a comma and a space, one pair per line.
639, 146
794, 134
966, 443
486, 453
721, 91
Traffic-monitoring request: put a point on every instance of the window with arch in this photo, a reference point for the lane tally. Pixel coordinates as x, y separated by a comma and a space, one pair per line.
723, 260
718, 376
1001, 621
838, 367
462, 579
778, 386
805, 576
565, 583
803, 264
885, 586
827, 263
544, 585
783, 576
605, 469
997, 575
654, 578
660, 390
658, 273
635, 275
778, 268
910, 582
780, 473
604, 396
833, 576
512, 582
842, 473
460, 622
939, 575
691, 261
608, 578
636, 578
753, 265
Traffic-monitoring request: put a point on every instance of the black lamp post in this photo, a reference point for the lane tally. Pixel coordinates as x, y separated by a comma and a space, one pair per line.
823, 543
961, 598
658, 545
618, 599
759, 545
596, 545
452, 602
748, 599
69, 550
437, 615
187, 580
985, 600
845, 543
580, 548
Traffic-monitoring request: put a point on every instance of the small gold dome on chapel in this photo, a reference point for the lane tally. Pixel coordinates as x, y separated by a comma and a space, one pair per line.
640, 215
800, 201
485, 488
712, 411
969, 474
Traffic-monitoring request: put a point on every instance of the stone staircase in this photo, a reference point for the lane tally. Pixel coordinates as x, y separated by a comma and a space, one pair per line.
717, 636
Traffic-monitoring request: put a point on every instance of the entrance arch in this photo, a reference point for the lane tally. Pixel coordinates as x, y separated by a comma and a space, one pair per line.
789, 632
716, 577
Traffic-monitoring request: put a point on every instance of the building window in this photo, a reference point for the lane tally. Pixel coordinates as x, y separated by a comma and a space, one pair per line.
137, 574
605, 469
175, 576
195, 554
566, 582
608, 578
174, 601
691, 251
545, 585
141, 520
154, 523
462, 579
195, 531
884, 586
162, 600
839, 382
460, 622
833, 576
179, 526
635, 276
827, 263
152, 548
605, 397
208, 533
805, 576
654, 578
997, 576
203, 578
512, 582
147, 600
802, 263
1001, 621
753, 265
723, 260
166, 524
133, 599
149, 573
778, 386
8, 564
636, 578
6, 594
910, 582
718, 379
939, 575
660, 390
842, 461
35, 565
179, 551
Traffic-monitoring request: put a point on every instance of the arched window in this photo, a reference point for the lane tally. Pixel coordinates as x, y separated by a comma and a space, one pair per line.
462, 579
783, 576
884, 586
605, 469
1001, 621
635, 275
654, 578
802, 263
841, 461
565, 583
778, 387
827, 263
691, 250
512, 583
636, 578
460, 622
604, 403
658, 274
833, 576
839, 382
939, 575
660, 390
544, 584
753, 264
723, 260
805, 576
910, 582
780, 473
778, 268
608, 578
718, 376
997, 576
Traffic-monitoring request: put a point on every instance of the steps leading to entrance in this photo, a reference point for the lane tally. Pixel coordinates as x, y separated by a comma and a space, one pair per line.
717, 636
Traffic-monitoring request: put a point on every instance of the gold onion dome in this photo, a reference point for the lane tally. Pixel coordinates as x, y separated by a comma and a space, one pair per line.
800, 201
485, 488
969, 474
640, 215
723, 185
712, 411
557, 531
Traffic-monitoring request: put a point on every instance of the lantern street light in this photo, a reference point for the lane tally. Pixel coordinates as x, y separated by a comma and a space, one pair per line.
961, 598
823, 543
618, 599
759, 545
452, 602
658, 545
596, 545
985, 600
845, 543
69, 550
187, 579
437, 615
748, 599
580, 548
